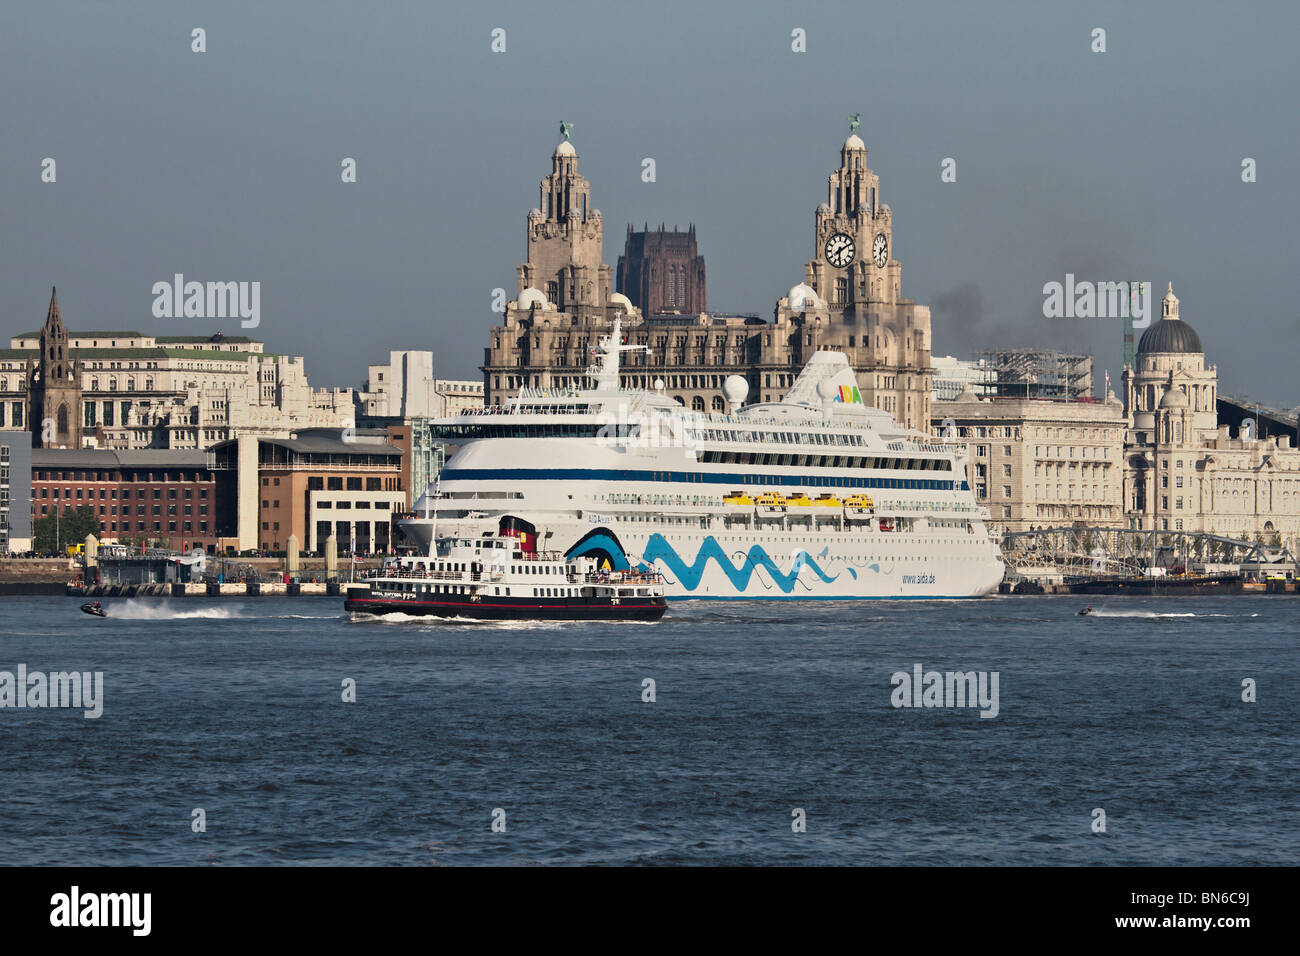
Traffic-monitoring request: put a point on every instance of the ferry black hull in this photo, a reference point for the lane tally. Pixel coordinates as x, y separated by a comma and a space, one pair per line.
517, 609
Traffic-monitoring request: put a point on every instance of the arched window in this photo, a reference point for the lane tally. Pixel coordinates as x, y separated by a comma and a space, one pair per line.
718, 404
697, 404
63, 419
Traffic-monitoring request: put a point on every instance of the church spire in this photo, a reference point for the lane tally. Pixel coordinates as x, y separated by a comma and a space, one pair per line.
54, 406
52, 315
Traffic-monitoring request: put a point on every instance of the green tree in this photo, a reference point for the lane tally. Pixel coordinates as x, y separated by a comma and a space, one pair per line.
71, 528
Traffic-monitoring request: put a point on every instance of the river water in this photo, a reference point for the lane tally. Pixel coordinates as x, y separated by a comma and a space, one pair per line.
767, 719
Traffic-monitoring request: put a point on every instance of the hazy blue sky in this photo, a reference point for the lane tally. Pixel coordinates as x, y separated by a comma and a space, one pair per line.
225, 165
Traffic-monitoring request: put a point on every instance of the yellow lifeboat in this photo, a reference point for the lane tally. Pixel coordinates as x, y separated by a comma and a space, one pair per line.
738, 500
859, 503
799, 501
771, 499
828, 501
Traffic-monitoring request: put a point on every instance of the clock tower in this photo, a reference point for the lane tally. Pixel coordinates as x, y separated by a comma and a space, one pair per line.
850, 299
853, 264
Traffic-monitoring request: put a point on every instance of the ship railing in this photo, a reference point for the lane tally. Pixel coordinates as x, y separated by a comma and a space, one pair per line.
407, 574
623, 577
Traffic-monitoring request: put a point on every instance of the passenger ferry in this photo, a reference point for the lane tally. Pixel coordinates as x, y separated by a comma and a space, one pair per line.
503, 577
815, 496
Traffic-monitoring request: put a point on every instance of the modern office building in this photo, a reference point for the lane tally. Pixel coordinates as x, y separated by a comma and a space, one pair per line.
311, 484
15, 492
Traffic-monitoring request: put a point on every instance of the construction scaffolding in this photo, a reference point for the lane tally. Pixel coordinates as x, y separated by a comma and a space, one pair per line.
1038, 373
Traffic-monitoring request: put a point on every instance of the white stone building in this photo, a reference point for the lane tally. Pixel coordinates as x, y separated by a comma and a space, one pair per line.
184, 392
406, 388
1185, 472
1040, 462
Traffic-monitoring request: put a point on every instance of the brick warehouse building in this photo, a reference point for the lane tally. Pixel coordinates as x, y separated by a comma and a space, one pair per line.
169, 497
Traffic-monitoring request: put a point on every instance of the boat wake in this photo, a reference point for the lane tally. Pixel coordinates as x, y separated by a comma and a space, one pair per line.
134, 610
1150, 615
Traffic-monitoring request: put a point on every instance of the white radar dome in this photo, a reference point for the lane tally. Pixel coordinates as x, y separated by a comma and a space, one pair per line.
736, 388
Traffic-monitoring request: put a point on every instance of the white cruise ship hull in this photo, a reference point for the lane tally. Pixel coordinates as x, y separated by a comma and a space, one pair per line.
704, 550
816, 496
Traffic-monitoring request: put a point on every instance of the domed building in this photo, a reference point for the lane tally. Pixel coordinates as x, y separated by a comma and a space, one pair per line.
1183, 471
849, 299
1170, 359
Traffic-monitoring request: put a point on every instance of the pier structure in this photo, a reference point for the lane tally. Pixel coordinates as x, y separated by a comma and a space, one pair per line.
1086, 556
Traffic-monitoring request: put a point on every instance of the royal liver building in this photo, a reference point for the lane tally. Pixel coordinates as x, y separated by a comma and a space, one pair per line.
849, 299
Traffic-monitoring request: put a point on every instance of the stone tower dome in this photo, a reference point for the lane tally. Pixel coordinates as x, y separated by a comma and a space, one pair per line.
1171, 334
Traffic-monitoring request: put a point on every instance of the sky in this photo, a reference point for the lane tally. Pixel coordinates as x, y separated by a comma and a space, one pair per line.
225, 165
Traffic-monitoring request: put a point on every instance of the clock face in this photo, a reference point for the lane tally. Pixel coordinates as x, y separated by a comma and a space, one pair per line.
839, 250
880, 250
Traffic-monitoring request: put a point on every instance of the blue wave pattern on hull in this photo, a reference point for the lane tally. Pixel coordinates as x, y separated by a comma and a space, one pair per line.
689, 575
598, 542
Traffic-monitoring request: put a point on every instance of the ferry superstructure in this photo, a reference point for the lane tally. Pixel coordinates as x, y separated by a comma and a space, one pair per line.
503, 578
815, 496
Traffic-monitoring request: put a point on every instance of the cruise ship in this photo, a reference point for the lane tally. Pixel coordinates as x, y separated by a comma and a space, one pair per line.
815, 496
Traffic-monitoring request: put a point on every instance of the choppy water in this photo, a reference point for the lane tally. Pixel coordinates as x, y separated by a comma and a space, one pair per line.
235, 706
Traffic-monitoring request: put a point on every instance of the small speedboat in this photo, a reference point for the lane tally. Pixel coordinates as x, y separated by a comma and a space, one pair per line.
94, 609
